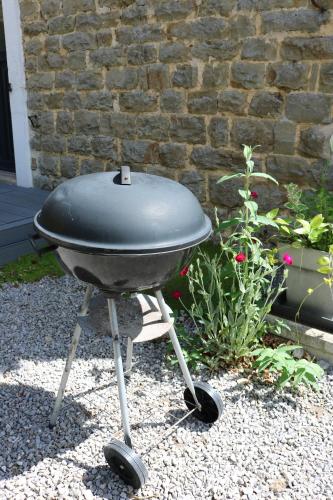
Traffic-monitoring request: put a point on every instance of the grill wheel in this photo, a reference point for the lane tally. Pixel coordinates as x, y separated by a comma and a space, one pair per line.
127, 464
210, 400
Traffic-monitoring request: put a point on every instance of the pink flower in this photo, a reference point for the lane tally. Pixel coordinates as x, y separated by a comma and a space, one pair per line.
287, 259
176, 294
240, 257
254, 194
184, 271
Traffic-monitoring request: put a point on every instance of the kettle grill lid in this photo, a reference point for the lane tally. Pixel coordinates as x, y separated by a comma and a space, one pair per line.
123, 212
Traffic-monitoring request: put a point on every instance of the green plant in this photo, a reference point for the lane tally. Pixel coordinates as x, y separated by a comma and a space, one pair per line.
294, 203
310, 219
304, 233
233, 290
30, 268
289, 370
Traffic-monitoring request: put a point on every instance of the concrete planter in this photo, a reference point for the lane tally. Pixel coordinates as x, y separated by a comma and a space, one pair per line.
302, 275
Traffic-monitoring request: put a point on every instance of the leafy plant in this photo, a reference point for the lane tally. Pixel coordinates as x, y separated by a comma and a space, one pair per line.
310, 220
304, 233
289, 370
233, 290
294, 203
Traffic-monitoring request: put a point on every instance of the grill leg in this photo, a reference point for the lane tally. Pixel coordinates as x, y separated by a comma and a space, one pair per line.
119, 371
176, 346
129, 357
70, 358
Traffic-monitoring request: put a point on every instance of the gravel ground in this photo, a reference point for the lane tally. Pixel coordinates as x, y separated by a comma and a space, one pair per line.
266, 445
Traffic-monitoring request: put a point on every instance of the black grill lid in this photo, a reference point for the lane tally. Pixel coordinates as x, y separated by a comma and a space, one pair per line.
125, 212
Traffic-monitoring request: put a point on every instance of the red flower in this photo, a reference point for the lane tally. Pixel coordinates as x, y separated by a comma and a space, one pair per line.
254, 194
176, 294
184, 271
240, 257
287, 259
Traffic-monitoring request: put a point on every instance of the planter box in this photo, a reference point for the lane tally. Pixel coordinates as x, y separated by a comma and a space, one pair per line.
317, 342
302, 275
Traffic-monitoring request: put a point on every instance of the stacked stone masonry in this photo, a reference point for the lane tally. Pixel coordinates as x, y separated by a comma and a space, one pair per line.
175, 87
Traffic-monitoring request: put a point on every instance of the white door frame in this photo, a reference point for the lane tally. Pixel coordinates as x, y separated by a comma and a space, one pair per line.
18, 95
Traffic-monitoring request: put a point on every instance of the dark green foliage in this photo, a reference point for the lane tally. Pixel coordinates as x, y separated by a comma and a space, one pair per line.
289, 370
30, 268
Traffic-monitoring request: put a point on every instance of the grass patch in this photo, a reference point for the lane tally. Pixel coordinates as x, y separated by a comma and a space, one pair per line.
30, 268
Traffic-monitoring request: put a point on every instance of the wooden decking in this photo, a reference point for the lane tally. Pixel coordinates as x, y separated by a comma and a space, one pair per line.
17, 208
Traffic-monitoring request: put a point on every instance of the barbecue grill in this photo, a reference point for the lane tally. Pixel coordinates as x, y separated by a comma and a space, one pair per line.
127, 232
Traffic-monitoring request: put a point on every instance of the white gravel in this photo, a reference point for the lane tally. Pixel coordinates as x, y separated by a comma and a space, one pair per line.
267, 445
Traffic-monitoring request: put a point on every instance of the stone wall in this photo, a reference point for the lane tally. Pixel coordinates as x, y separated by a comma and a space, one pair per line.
176, 87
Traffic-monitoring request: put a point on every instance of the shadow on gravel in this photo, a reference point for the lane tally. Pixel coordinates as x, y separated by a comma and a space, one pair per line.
25, 436
268, 396
171, 418
103, 483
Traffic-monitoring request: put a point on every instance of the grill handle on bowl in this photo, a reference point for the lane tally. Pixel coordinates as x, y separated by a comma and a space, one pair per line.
125, 175
40, 251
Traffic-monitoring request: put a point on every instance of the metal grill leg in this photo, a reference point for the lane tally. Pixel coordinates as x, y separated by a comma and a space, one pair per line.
129, 357
70, 357
119, 371
176, 346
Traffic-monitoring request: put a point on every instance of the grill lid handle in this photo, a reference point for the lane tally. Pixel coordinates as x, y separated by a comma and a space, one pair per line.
125, 175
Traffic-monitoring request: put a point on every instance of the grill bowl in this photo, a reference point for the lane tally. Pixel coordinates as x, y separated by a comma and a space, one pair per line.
124, 273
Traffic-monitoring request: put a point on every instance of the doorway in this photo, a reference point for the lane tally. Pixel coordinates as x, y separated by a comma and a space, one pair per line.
7, 160
18, 117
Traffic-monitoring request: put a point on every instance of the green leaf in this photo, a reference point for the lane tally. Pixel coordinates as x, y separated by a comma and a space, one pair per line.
301, 230
285, 229
250, 164
305, 224
228, 177
272, 213
265, 176
247, 152
283, 379
323, 261
266, 221
299, 376
314, 368
244, 194
258, 351
310, 379
317, 221
325, 270
287, 348
228, 223
252, 206
282, 222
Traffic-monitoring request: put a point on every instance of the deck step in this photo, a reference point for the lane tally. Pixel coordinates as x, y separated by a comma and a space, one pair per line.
12, 252
18, 207
15, 233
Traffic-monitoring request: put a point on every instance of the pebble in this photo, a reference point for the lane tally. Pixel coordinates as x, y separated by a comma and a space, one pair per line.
298, 353
267, 444
325, 365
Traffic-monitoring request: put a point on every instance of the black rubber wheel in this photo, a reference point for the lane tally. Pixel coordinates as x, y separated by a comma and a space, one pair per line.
127, 464
210, 400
